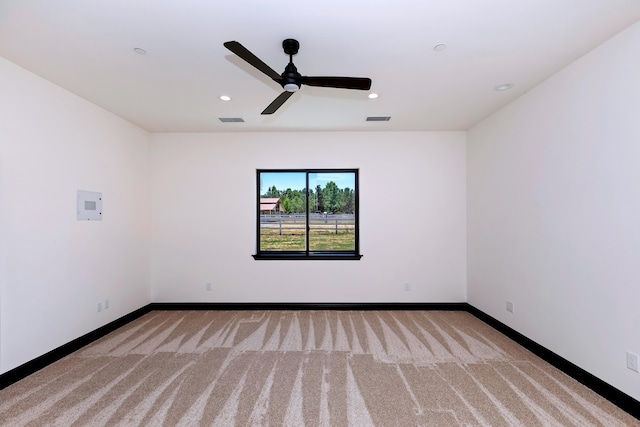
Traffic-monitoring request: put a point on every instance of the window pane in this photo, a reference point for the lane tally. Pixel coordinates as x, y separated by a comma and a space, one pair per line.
282, 211
332, 211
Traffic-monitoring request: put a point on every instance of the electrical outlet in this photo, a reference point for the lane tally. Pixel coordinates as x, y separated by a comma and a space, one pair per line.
208, 286
99, 307
106, 304
510, 306
632, 361
407, 286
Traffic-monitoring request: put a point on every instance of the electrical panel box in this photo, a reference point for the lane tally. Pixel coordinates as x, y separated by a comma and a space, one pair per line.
89, 205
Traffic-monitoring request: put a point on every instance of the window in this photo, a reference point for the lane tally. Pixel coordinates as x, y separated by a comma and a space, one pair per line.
307, 214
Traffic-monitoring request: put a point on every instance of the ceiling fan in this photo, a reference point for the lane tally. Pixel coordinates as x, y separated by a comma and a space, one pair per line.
291, 79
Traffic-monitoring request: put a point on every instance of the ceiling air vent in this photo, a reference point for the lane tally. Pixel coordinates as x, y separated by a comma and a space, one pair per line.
378, 118
231, 119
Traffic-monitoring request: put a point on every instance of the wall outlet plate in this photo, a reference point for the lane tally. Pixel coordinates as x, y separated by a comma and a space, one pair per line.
510, 306
632, 361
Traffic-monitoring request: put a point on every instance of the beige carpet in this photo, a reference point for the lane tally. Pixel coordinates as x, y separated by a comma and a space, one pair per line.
304, 368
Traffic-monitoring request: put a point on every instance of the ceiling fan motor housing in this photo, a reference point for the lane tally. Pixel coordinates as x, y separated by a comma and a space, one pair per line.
291, 78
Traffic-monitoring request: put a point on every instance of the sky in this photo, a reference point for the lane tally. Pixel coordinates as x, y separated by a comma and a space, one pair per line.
296, 180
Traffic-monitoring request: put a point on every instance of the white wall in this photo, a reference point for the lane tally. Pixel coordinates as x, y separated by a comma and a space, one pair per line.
554, 212
54, 269
412, 218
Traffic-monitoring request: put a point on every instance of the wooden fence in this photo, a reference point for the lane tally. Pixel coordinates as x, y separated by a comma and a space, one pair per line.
297, 223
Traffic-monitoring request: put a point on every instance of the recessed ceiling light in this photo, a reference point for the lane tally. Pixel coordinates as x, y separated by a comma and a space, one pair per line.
505, 86
373, 95
440, 47
225, 97
139, 51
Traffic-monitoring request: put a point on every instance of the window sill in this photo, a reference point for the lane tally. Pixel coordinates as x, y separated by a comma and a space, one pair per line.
307, 256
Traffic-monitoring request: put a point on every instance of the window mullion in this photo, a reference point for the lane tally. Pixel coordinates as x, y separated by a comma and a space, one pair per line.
307, 214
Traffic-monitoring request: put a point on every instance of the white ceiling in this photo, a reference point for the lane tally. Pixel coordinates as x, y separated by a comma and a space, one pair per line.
86, 46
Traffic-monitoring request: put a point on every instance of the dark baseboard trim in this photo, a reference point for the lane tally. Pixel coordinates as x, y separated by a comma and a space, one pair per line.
232, 306
612, 394
32, 366
617, 397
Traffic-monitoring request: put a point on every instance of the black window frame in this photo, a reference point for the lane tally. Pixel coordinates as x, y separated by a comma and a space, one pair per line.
350, 255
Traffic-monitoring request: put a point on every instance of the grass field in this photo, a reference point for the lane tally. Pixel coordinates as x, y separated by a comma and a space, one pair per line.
294, 240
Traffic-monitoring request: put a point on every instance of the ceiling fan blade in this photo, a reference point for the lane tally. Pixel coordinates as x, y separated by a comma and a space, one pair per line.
244, 53
361, 83
277, 103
